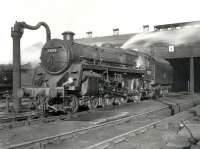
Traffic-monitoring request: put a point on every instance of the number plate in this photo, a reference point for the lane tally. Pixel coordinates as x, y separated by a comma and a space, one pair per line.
52, 50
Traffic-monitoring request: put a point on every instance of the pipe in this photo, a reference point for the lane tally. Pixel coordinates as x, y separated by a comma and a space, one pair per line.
16, 33
48, 32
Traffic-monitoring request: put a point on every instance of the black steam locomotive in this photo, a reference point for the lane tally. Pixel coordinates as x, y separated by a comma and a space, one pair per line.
73, 75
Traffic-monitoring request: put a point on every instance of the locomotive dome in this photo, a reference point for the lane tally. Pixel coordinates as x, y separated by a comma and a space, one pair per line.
55, 56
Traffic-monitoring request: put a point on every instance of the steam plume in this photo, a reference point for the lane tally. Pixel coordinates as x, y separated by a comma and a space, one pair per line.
171, 37
140, 63
32, 54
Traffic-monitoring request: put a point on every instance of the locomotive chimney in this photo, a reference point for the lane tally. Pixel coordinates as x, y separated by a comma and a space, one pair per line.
115, 31
89, 34
68, 36
145, 28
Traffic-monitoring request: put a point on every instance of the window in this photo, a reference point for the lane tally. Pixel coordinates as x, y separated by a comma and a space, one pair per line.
171, 48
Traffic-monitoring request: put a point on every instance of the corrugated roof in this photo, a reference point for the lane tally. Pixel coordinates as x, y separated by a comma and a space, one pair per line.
117, 40
185, 40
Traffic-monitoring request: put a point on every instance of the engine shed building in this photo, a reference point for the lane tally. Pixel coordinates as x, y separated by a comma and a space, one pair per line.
179, 43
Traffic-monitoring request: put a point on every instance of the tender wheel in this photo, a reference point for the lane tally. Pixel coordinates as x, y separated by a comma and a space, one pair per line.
123, 100
41, 103
74, 104
93, 103
130, 98
102, 102
108, 101
138, 97
118, 101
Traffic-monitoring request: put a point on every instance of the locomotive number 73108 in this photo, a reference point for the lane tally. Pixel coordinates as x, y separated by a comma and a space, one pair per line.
52, 50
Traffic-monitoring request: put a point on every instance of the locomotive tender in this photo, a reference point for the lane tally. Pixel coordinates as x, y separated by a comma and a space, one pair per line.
73, 75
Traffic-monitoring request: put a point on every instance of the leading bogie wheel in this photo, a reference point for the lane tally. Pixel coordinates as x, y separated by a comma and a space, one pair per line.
74, 103
93, 103
118, 101
108, 101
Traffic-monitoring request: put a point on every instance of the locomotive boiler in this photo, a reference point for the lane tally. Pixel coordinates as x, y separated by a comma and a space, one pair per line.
73, 75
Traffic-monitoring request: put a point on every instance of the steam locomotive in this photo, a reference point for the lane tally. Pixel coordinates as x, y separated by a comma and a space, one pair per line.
73, 75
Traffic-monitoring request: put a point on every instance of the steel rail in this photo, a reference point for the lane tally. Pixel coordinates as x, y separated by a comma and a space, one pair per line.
125, 136
29, 121
40, 143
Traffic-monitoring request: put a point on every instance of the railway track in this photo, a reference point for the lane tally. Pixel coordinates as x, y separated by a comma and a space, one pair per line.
34, 118
31, 121
126, 137
30, 118
56, 139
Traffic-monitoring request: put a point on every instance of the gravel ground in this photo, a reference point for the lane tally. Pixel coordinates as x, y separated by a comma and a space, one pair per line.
164, 134
79, 120
107, 132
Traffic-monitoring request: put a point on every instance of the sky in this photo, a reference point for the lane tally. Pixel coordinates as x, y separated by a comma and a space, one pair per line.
80, 16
